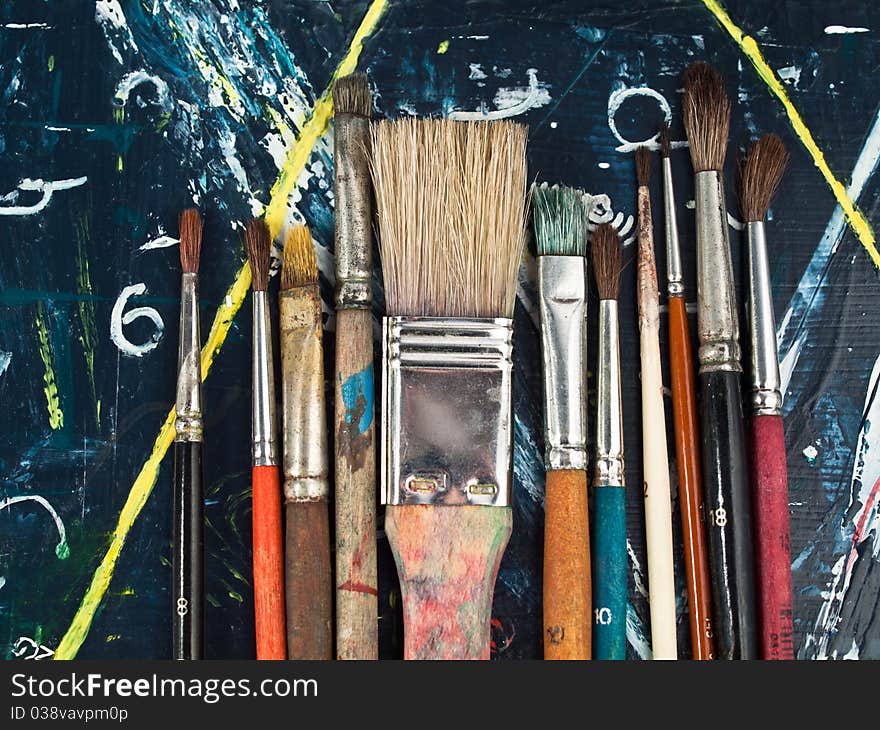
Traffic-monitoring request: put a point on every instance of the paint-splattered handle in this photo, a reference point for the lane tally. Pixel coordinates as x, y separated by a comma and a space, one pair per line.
609, 573
355, 448
268, 564
188, 564
770, 490
447, 560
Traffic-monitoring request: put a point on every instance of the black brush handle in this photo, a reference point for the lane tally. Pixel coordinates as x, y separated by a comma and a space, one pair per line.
727, 505
188, 598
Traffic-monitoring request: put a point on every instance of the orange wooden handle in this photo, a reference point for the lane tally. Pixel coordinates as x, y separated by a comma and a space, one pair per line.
268, 564
567, 588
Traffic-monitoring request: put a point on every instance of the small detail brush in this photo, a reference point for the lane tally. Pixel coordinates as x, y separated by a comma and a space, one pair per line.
561, 235
188, 563
308, 580
355, 430
655, 456
706, 112
268, 550
761, 174
684, 415
609, 492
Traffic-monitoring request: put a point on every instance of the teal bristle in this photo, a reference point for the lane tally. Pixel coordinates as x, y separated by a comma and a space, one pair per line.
559, 220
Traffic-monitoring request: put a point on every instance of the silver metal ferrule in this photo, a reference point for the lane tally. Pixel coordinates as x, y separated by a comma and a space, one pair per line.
766, 393
717, 320
674, 275
609, 471
306, 458
447, 416
188, 405
354, 212
562, 295
264, 444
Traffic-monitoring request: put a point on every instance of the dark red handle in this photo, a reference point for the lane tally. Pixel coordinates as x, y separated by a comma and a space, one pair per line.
268, 564
770, 484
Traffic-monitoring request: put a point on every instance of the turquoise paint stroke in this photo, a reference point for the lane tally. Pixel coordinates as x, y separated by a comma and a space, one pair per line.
356, 386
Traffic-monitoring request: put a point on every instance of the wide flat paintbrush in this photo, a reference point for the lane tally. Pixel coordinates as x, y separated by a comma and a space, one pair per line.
761, 173
451, 204
268, 550
355, 430
308, 580
561, 236
684, 416
655, 457
188, 563
609, 490
706, 111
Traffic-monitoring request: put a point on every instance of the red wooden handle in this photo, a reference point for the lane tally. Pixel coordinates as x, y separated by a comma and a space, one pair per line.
770, 484
268, 564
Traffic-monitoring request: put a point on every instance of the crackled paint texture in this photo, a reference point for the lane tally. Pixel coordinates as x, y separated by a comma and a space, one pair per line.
116, 114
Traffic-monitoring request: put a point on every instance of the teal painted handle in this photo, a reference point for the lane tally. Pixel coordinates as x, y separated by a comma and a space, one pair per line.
609, 573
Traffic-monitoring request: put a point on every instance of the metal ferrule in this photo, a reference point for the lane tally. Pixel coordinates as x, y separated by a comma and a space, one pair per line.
766, 396
354, 212
306, 460
716, 299
674, 275
609, 470
188, 405
447, 417
264, 444
562, 295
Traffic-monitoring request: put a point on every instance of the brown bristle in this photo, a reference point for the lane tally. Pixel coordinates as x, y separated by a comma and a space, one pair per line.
762, 171
300, 264
643, 165
605, 250
190, 223
351, 95
665, 141
451, 205
257, 243
706, 114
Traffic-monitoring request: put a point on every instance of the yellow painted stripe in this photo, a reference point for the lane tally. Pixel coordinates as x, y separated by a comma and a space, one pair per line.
854, 216
146, 479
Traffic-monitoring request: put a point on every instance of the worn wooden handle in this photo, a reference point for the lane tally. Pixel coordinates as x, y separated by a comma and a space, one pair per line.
447, 560
770, 490
567, 593
307, 581
268, 564
609, 572
355, 447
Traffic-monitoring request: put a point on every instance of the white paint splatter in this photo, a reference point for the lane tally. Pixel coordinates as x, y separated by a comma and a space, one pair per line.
118, 320
811, 452
603, 165
109, 15
615, 101
27, 26
136, 78
476, 71
46, 188
843, 30
790, 74
160, 242
23, 644
510, 101
61, 549
5, 359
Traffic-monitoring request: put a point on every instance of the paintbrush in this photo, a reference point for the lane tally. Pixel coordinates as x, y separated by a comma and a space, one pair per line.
561, 235
684, 416
706, 112
762, 171
308, 581
268, 551
609, 491
655, 457
451, 200
188, 563
355, 445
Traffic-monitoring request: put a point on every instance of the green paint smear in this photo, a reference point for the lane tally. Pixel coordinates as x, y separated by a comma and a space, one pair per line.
443, 47
235, 595
62, 550
82, 225
56, 417
51, 63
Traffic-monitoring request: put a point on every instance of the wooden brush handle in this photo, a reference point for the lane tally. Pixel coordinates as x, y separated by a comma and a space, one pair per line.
447, 560
687, 454
609, 572
188, 608
725, 483
307, 581
268, 564
567, 596
770, 489
355, 446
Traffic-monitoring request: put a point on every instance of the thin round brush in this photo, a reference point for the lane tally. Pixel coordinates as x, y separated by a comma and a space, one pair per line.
308, 579
762, 172
655, 457
268, 551
355, 429
684, 416
561, 236
706, 112
609, 491
188, 563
